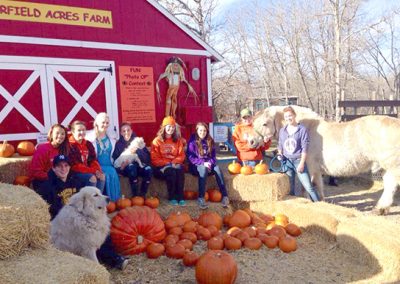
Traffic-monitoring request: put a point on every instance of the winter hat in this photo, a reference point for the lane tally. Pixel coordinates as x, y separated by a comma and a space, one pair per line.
168, 120
245, 112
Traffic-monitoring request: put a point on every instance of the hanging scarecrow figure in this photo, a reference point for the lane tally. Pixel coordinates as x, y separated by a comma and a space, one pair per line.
174, 74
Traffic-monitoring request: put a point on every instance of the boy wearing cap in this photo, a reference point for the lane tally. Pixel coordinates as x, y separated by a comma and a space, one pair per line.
167, 157
60, 186
243, 133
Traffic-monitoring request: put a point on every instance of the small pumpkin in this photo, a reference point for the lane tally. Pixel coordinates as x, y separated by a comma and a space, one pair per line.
190, 226
281, 219
180, 217
203, 234
175, 231
213, 230
170, 223
152, 202
214, 195
234, 168
25, 148
187, 244
252, 231
261, 168
215, 243
171, 240
210, 218
189, 236
190, 195
190, 258
246, 170
226, 218
6, 150
240, 219
232, 243
123, 203
293, 230
137, 201
111, 207
253, 243
277, 231
155, 250
287, 244
22, 180
175, 251
271, 241
216, 266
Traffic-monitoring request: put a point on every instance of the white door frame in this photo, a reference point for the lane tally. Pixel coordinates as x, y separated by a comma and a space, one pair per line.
47, 69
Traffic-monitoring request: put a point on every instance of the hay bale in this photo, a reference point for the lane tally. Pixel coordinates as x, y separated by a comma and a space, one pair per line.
24, 220
379, 236
270, 187
193, 209
51, 266
14, 166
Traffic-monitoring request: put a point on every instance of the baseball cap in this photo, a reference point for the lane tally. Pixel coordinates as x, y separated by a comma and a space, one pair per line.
245, 112
60, 158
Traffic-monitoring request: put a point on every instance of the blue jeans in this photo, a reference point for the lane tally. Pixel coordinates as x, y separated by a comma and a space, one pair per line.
202, 172
251, 163
133, 171
85, 178
304, 177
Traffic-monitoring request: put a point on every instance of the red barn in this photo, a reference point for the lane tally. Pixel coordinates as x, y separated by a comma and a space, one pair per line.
66, 60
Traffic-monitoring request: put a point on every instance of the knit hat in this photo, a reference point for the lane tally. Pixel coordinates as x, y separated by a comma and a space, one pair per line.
245, 112
168, 120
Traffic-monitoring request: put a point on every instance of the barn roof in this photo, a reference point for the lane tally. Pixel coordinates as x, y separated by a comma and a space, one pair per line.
215, 55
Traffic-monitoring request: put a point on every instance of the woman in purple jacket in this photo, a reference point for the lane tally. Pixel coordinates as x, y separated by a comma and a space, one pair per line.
292, 148
202, 162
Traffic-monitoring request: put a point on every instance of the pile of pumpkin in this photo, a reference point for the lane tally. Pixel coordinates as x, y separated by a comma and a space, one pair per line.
140, 229
235, 168
123, 202
24, 148
212, 194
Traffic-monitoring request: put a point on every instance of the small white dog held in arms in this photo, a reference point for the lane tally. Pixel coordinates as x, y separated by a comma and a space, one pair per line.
82, 225
126, 155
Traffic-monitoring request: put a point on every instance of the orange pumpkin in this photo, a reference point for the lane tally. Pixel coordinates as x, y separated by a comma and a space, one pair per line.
210, 218
240, 219
123, 202
215, 243
175, 251
232, 243
190, 226
271, 241
137, 201
246, 170
189, 236
206, 196
277, 231
26, 148
216, 266
203, 234
187, 244
175, 231
180, 218
134, 228
155, 250
22, 180
293, 230
261, 168
281, 219
6, 150
253, 243
214, 195
190, 195
287, 244
111, 207
234, 168
152, 202
190, 258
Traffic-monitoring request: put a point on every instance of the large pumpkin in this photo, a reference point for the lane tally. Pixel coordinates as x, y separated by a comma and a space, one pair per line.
216, 266
234, 168
134, 228
25, 148
6, 150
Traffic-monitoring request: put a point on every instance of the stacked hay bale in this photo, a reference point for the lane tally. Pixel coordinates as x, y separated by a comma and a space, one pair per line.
25, 250
14, 166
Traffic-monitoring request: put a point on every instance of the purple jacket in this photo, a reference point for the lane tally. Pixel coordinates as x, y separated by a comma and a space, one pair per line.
291, 146
194, 156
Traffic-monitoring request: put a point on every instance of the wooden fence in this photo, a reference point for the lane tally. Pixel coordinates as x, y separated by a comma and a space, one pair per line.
351, 109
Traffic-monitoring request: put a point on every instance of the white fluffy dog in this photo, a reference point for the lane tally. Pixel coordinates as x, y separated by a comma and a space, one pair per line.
82, 225
126, 155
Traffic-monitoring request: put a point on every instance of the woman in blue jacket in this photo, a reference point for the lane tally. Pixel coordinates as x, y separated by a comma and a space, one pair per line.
202, 162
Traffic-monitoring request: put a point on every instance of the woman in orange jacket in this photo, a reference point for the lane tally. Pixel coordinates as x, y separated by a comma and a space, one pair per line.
167, 157
243, 137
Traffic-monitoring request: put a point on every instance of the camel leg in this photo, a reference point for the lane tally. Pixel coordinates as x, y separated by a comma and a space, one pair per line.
390, 183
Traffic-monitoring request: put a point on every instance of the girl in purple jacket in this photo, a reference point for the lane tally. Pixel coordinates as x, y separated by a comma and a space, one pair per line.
202, 162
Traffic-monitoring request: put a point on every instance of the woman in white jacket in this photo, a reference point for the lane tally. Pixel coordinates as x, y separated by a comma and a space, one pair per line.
103, 141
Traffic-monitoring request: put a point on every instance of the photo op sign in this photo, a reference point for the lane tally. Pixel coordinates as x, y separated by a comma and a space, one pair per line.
137, 94
54, 14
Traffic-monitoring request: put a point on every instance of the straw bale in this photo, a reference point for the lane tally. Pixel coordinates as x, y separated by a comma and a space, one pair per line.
158, 187
24, 220
14, 166
193, 209
51, 266
379, 236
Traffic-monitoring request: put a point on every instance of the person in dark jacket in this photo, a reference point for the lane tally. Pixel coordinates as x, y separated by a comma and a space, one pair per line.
60, 186
202, 162
133, 170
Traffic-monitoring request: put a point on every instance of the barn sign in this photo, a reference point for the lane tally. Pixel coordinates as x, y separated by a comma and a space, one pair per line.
55, 14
